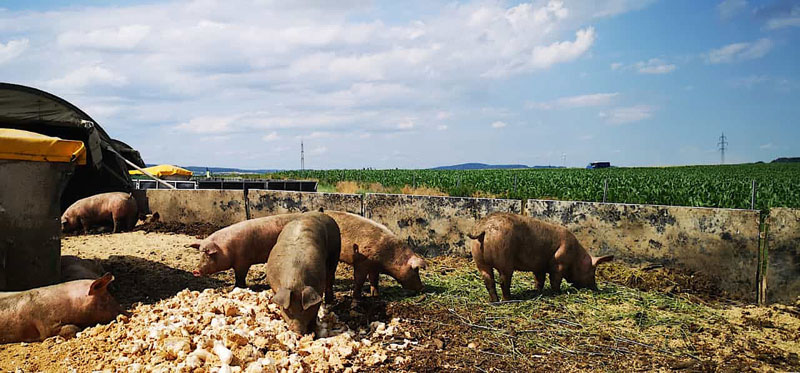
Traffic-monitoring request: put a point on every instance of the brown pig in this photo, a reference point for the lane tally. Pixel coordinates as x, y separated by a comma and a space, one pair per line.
512, 242
240, 245
113, 208
378, 251
61, 309
75, 268
301, 266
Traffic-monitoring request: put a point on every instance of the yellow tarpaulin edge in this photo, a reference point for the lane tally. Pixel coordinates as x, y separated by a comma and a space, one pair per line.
163, 170
30, 146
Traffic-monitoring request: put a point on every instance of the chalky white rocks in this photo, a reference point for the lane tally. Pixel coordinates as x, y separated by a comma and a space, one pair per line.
237, 331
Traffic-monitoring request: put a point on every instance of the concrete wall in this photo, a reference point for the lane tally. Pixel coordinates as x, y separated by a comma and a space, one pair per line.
720, 243
433, 225
219, 207
783, 273
272, 202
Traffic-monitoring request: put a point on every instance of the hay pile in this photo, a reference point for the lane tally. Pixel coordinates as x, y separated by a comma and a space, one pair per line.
236, 331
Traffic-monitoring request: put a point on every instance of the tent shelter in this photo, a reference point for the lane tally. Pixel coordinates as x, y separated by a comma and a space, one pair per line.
166, 172
33, 110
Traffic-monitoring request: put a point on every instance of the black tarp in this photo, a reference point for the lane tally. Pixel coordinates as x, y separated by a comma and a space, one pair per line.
34, 110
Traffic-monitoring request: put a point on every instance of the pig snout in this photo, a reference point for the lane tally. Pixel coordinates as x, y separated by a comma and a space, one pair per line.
197, 273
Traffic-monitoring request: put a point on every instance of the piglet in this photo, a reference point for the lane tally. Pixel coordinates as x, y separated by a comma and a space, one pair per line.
239, 246
61, 309
301, 266
512, 242
114, 208
373, 249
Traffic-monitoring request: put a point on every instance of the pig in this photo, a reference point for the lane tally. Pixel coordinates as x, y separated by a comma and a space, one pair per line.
510, 242
372, 249
301, 266
114, 208
61, 309
240, 245
75, 268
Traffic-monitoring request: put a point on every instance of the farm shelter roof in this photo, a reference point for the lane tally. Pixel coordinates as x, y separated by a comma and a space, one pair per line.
163, 170
31, 146
30, 109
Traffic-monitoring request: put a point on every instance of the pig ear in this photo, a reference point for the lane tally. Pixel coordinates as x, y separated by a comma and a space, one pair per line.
101, 283
211, 249
310, 297
417, 263
282, 297
601, 259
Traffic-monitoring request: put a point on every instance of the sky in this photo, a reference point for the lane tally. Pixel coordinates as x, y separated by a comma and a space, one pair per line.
418, 84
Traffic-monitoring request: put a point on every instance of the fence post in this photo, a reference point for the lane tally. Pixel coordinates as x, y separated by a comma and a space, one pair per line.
605, 189
753, 196
763, 264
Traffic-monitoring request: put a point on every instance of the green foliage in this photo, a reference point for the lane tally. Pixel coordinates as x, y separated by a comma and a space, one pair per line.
702, 186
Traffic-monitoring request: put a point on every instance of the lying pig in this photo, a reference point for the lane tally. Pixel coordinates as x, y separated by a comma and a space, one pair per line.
239, 246
115, 208
512, 242
301, 266
61, 309
378, 251
75, 268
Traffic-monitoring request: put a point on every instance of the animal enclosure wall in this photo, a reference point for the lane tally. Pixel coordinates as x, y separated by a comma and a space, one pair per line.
434, 225
220, 207
783, 273
265, 202
721, 243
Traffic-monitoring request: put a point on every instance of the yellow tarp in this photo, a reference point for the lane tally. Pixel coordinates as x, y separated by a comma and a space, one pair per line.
31, 146
163, 170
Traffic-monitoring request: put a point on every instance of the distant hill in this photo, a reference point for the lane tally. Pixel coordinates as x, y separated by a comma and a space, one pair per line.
787, 160
217, 170
484, 166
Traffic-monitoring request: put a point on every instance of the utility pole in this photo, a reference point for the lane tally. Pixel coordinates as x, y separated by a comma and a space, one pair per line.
302, 157
723, 144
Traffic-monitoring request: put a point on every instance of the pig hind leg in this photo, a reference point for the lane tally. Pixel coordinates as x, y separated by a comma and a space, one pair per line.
487, 273
505, 283
359, 276
555, 281
330, 278
540, 277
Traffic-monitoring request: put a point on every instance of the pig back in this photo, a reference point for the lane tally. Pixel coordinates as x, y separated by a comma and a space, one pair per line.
375, 241
304, 251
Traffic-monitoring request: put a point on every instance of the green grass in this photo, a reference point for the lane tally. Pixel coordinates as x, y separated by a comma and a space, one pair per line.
726, 186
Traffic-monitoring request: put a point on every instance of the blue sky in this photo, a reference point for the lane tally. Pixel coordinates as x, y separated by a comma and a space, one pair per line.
420, 83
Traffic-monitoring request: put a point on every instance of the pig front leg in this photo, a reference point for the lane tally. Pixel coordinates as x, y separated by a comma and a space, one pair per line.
330, 278
241, 276
555, 281
84, 225
67, 331
374, 277
488, 279
505, 284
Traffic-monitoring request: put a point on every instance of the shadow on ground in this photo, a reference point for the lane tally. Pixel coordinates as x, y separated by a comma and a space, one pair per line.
140, 280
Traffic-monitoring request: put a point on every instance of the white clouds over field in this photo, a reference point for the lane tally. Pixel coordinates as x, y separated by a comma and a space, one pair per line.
246, 72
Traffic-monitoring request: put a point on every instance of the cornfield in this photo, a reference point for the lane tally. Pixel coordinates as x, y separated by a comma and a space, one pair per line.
727, 186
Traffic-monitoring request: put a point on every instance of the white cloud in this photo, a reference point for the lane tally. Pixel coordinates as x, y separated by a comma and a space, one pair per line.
121, 38
616, 66
730, 8
88, 76
499, 124
596, 99
441, 127
740, 51
208, 125
318, 150
784, 17
654, 66
405, 125
443, 115
622, 115
272, 136
767, 146
12, 49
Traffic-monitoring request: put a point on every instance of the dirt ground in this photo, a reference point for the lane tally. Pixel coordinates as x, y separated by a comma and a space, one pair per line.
641, 319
